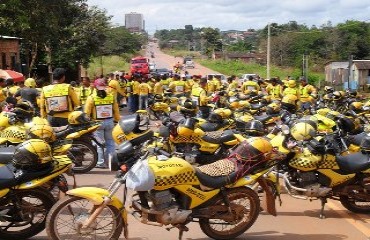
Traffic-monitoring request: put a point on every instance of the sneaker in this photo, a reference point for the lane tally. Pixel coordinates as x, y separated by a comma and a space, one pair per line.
101, 165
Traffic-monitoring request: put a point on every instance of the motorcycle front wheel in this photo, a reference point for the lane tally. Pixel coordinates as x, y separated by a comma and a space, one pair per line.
24, 213
220, 229
67, 216
84, 156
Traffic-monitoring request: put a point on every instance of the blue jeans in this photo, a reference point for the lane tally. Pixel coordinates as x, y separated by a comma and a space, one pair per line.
132, 102
105, 132
143, 102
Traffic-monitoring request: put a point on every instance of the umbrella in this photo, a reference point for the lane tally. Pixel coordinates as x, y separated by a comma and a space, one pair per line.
16, 76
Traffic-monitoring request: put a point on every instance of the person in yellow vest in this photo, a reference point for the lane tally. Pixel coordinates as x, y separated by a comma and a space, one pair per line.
115, 87
196, 79
274, 90
2, 96
58, 100
250, 85
144, 91
165, 81
307, 94
102, 106
200, 99
213, 85
233, 84
178, 87
158, 88
10, 89
130, 94
84, 90
291, 89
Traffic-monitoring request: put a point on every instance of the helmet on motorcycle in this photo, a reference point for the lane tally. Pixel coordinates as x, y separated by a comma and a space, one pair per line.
365, 144
356, 107
273, 108
254, 128
266, 99
158, 98
187, 106
223, 112
292, 84
349, 124
337, 95
30, 82
323, 111
78, 117
352, 93
32, 154
328, 89
253, 150
289, 102
214, 118
42, 131
234, 105
302, 131
24, 110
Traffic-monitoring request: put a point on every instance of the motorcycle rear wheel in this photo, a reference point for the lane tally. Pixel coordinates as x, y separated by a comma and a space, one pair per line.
68, 215
85, 156
249, 200
353, 205
35, 204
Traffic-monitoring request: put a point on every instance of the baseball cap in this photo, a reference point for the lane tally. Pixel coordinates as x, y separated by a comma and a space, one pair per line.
183, 75
100, 84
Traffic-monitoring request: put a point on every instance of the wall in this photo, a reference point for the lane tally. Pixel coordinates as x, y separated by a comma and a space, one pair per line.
9, 53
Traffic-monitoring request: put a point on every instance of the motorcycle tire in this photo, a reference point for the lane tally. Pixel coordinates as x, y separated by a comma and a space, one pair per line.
350, 204
43, 201
85, 147
233, 194
65, 207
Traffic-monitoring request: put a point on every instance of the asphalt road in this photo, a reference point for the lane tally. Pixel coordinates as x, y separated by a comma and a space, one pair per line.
297, 219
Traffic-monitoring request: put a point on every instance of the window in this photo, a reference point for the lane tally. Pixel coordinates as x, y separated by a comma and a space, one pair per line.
13, 60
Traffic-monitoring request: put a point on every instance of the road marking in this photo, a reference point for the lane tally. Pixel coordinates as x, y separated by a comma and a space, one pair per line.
361, 227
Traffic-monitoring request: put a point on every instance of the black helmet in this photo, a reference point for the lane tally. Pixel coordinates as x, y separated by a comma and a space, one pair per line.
158, 98
214, 118
352, 93
254, 128
24, 110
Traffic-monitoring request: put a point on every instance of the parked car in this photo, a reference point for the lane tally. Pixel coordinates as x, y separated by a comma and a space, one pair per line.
245, 77
189, 64
161, 71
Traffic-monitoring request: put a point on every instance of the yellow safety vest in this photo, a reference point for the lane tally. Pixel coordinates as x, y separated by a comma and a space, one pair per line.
83, 93
290, 91
179, 86
195, 95
129, 88
103, 106
57, 98
274, 91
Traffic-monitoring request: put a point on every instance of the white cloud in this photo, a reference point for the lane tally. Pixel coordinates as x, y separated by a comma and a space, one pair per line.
235, 14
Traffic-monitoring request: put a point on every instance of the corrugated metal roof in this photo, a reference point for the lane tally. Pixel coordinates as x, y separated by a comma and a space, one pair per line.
8, 37
362, 64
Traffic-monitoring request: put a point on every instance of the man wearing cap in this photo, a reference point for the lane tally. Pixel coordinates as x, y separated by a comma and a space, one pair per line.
58, 100
102, 106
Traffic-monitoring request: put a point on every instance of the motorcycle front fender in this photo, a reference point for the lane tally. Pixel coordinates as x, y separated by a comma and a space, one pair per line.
96, 196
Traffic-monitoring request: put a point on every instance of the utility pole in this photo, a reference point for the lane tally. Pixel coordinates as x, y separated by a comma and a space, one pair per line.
268, 49
350, 63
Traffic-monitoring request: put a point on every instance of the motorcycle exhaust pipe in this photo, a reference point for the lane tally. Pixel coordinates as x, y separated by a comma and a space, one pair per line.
288, 186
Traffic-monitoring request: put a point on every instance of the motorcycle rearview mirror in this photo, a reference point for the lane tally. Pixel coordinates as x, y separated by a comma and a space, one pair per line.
285, 129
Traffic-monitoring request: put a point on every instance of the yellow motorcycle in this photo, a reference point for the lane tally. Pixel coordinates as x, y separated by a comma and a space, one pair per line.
168, 191
24, 199
83, 152
321, 170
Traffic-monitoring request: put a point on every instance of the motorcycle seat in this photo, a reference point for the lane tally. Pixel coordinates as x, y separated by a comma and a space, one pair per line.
257, 106
215, 182
6, 154
218, 137
263, 118
10, 176
61, 132
357, 139
210, 127
353, 163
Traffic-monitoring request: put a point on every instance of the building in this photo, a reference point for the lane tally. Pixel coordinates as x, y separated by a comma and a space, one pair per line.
337, 74
134, 22
9, 52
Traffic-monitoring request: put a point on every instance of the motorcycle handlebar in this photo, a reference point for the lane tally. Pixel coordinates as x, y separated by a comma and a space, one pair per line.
162, 152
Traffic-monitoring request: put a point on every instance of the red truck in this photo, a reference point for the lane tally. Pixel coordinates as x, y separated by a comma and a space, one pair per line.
140, 65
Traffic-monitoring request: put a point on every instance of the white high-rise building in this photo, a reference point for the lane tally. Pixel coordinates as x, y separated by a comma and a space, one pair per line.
134, 22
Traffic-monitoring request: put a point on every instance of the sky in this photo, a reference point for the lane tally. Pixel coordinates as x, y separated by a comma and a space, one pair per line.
234, 14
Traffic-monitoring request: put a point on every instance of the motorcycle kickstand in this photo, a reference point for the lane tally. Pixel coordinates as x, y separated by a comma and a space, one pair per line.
323, 202
182, 229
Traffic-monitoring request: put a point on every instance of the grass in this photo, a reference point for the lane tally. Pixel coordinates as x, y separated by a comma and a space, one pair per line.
110, 64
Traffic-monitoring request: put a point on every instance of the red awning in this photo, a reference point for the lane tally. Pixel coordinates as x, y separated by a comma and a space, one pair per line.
16, 76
